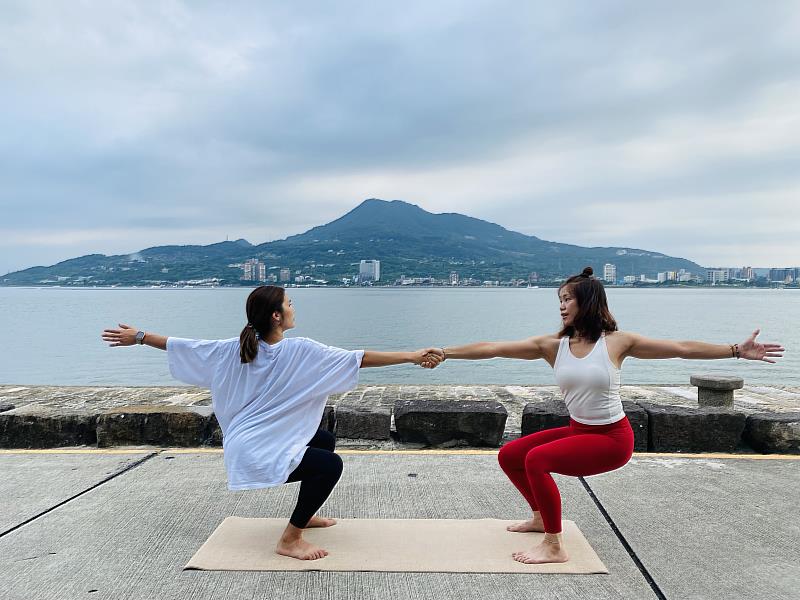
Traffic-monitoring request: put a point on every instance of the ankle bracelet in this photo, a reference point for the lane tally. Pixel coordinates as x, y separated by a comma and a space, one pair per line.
552, 541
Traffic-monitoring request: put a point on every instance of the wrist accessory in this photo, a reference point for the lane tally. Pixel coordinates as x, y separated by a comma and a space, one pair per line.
736, 350
140, 337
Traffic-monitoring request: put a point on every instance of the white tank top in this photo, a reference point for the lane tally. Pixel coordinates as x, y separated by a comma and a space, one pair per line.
590, 384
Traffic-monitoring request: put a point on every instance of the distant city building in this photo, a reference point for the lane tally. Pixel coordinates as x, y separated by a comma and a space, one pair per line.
610, 273
453, 278
783, 275
629, 279
715, 276
662, 277
254, 270
369, 270
747, 273
286, 275
533, 277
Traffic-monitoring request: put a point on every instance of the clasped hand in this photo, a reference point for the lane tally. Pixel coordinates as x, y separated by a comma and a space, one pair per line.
429, 358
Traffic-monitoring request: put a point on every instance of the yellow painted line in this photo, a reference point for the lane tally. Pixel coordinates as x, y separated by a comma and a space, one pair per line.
350, 451
77, 451
721, 455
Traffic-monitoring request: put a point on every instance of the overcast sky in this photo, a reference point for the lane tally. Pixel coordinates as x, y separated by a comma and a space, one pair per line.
670, 126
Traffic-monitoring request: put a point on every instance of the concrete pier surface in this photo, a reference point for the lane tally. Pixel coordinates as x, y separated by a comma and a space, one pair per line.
121, 523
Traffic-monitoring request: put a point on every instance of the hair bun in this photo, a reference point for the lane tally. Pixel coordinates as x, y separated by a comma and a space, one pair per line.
587, 272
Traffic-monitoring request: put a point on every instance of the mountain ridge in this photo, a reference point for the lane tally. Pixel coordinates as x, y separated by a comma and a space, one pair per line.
407, 239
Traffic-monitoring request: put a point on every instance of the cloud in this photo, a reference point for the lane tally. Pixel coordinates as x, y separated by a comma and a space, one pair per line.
669, 127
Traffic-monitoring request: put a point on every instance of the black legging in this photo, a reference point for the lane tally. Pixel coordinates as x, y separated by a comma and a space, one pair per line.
318, 473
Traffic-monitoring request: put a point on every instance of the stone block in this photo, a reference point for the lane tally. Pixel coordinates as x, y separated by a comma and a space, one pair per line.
437, 423
773, 432
154, 426
6, 407
538, 416
40, 427
639, 423
328, 422
716, 390
363, 422
684, 429
213, 432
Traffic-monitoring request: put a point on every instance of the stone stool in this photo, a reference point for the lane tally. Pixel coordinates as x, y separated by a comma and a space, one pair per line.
716, 390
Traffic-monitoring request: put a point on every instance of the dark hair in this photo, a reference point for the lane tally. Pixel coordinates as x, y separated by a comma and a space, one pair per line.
593, 316
261, 304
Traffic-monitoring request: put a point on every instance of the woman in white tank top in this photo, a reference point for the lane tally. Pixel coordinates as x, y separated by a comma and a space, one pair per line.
586, 355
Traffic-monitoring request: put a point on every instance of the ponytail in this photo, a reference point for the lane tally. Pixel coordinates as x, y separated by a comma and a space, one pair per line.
262, 303
248, 344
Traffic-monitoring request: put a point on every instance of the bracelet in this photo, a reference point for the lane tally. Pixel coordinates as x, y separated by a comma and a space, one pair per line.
444, 354
736, 350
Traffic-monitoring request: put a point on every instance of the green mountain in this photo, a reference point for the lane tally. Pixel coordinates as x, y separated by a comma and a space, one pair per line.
405, 238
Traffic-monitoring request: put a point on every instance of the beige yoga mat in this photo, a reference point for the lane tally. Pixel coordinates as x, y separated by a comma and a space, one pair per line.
413, 545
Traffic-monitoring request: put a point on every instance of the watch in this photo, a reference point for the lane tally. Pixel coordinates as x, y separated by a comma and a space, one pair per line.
140, 337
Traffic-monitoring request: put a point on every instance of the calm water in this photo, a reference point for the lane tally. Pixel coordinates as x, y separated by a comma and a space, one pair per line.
52, 336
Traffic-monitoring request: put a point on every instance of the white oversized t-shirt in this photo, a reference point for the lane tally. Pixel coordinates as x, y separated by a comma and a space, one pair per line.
268, 409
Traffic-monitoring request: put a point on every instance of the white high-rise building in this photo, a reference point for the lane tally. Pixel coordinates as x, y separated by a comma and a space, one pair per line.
714, 276
369, 270
254, 269
610, 273
453, 278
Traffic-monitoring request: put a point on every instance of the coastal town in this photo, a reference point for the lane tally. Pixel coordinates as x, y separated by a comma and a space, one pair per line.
367, 273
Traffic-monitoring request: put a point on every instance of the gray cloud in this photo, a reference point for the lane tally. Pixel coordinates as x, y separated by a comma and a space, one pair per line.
130, 125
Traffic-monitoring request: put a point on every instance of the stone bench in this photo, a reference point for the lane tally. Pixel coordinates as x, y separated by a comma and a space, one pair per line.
773, 432
538, 416
716, 390
437, 423
684, 429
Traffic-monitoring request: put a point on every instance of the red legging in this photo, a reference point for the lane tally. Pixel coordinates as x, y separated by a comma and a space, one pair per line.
576, 450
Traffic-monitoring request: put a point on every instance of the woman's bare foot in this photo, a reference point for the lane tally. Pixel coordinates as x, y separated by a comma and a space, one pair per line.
321, 522
293, 545
300, 549
534, 524
550, 550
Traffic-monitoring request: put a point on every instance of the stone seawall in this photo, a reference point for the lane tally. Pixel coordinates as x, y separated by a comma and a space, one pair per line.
664, 418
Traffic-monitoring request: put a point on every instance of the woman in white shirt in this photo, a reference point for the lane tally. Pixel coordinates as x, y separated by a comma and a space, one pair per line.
586, 355
269, 393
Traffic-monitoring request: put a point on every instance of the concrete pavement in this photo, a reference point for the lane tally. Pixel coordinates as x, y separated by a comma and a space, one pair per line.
121, 524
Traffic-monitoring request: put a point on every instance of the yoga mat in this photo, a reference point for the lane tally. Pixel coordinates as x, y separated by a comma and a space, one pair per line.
397, 545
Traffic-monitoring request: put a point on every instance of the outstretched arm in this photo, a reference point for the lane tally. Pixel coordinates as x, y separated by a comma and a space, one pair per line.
126, 336
528, 349
642, 347
426, 357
